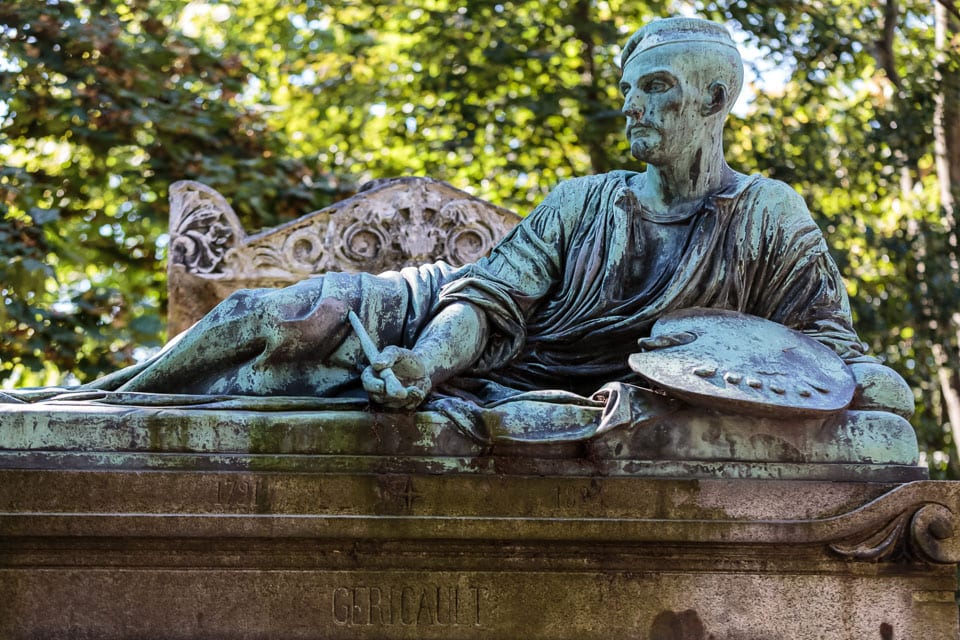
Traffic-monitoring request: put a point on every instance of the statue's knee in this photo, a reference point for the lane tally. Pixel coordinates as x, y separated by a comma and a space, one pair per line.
880, 388
243, 304
244, 300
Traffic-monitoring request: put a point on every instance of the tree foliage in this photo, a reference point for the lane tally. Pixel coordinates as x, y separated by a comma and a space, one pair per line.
285, 106
106, 103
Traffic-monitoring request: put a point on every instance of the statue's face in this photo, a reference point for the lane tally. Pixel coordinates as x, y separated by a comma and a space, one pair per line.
662, 106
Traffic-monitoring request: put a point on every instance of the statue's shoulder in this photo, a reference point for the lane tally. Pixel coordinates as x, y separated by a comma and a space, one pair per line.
775, 195
574, 198
588, 184
777, 207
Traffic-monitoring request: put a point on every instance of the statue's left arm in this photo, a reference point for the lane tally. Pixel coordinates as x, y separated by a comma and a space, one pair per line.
806, 291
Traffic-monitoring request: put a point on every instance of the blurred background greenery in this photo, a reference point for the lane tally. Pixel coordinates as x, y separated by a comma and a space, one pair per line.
287, 106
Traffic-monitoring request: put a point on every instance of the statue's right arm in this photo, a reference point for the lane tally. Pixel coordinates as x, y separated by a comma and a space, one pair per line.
449, 344
452, 341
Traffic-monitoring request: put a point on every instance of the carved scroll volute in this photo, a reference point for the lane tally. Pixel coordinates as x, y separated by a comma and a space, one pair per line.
362, 246
934, 536
925, 533
203, 227
306, 252
474, 231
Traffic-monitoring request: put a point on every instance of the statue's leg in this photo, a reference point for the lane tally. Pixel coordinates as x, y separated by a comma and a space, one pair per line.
244, 337
290, 341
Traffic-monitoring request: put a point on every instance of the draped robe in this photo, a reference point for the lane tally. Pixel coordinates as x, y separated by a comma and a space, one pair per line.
555, 287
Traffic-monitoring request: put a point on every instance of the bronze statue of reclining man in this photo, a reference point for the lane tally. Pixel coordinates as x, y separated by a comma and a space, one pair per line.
519, 343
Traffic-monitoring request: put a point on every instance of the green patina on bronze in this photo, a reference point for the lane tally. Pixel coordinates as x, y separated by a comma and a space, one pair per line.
531, 344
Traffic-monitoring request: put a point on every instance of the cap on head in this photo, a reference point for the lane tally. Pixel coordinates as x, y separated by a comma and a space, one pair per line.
675, 31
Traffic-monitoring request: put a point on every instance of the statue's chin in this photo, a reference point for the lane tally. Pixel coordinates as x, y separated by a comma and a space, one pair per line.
640, 150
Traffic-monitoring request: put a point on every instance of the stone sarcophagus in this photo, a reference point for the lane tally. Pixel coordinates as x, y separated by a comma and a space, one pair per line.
389, 224
134, 552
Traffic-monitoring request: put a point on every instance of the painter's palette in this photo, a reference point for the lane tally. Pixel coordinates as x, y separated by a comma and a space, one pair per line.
742, 363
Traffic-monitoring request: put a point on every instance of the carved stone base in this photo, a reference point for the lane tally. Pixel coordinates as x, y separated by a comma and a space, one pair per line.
174, 522
149, 554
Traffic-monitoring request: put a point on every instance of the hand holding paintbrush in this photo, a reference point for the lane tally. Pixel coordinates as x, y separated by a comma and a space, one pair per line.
380, 379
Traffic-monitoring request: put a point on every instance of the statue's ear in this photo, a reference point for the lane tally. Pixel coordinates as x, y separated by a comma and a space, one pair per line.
715, 98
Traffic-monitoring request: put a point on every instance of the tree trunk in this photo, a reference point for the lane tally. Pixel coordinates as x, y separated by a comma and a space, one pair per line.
946, 130
593, 134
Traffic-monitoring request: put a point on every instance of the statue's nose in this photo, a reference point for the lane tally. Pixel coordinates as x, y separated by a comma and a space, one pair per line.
632, 107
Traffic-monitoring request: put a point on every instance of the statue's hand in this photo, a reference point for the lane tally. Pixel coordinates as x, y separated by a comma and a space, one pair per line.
397, 379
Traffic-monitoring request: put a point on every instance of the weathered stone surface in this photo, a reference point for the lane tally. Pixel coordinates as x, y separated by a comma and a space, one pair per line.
693, 443
205, 523
124, 554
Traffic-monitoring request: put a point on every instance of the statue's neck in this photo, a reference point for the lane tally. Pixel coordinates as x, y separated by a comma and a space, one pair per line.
686, 181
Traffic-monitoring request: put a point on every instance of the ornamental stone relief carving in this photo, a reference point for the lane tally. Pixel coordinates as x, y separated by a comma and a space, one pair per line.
202, 227
388, 225
923, 532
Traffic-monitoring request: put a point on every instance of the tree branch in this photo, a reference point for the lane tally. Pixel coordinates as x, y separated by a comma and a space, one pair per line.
885, 55
951, 7
951, 398
599, 160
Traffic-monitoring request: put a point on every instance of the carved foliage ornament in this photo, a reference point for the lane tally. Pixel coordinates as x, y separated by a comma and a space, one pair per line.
203, 227
390, 227
396, 223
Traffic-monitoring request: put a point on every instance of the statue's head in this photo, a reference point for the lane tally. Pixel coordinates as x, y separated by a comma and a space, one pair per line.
681, 77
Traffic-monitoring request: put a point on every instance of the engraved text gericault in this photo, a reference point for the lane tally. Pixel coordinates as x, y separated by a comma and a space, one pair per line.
407, 605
